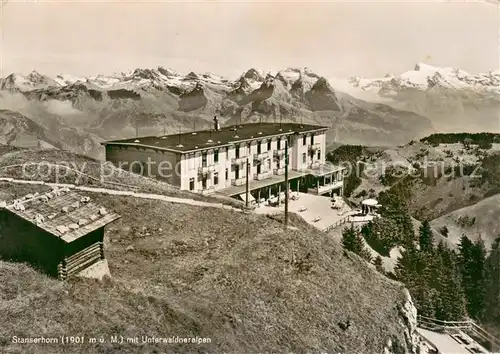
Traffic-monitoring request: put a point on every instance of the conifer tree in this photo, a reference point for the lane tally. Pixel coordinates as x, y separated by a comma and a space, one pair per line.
471, 262
406, 269
452, 299
492, 284
394, 208
353, 241
476, 290
425, 237
378, 264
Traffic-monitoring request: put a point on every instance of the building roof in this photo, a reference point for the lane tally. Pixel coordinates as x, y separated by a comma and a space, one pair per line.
226, 136
63, 213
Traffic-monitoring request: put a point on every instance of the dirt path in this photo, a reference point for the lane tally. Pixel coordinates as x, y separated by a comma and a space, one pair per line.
125, 193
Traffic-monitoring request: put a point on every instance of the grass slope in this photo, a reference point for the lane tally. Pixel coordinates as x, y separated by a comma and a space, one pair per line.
486, 214
86, 171
240, 279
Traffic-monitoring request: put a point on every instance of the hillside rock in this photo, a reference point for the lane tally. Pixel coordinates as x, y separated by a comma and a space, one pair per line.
193, 100
254, 75
18, 130
21, 131
322, 97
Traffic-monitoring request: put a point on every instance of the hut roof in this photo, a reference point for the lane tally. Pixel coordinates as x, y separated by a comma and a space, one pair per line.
63, 213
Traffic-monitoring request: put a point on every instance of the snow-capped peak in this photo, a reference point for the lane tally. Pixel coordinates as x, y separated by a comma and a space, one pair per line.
425, 76
32, 81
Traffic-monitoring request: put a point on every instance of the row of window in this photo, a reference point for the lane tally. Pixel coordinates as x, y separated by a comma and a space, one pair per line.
237, 149
259, 170
304, 156
204, 181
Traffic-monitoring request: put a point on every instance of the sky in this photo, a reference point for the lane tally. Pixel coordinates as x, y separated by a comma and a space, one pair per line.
334, 39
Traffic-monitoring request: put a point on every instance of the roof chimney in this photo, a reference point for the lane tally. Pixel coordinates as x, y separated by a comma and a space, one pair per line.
216, 124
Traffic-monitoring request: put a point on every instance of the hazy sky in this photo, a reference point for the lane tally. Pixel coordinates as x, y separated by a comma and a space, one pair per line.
334, 39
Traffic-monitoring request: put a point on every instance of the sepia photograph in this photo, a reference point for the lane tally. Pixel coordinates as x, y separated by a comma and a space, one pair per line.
296, 177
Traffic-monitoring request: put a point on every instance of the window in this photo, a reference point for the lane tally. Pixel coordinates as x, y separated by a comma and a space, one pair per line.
259, 169
216, 156
279, 144
304, 158
227, 174
269, 145
259, 147
216, 178
304, 140
204, 159
319, 154
312, 139
237, 152
269, 164
191, 184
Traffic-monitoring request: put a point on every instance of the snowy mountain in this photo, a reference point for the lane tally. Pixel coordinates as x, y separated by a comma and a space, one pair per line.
425, 77
453, 99
155, 100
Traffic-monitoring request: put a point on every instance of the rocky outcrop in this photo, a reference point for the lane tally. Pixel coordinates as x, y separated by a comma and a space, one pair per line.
253, 74
123, 94
193, 100
241, 91
408, 320
322, 97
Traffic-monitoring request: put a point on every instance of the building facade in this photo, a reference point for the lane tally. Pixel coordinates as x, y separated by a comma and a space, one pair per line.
219, 160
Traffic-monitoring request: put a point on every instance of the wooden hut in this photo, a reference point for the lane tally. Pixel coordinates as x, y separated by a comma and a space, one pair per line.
60, 232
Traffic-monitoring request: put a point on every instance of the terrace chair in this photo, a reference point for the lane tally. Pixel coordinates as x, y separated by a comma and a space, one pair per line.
316, 219
302, 208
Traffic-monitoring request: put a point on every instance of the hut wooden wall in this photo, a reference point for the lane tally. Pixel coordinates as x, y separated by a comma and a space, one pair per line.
22, 241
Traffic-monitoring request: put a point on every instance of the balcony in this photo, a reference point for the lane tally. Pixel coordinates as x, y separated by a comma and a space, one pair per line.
239, 160
263, 175
261, 156
314, 147
279, 153
202, 170
279, 171
239, 182
326, 188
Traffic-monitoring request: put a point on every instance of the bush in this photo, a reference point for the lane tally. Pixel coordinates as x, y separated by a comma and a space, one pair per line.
465, 221
352, 241
444, 231
485, 145
361, 194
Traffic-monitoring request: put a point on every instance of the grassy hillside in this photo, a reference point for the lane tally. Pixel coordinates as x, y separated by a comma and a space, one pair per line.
34, 164
478, 219
240, 279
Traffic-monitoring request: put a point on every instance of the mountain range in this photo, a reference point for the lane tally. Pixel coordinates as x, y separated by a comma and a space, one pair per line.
453, 99
387, 111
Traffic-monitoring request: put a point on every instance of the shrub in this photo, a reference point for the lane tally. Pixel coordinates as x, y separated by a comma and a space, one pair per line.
465, 221
361, 194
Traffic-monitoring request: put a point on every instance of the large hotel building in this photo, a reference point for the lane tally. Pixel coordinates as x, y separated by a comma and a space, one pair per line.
219, 160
